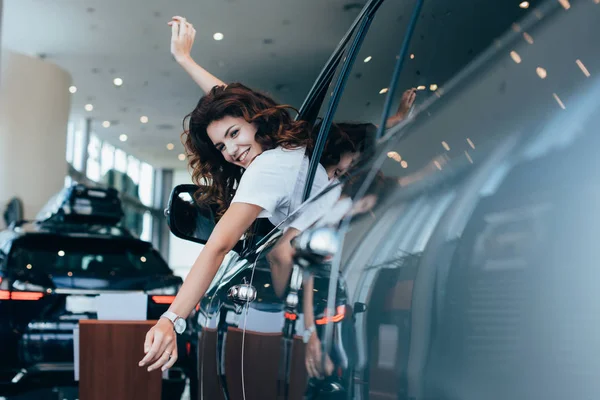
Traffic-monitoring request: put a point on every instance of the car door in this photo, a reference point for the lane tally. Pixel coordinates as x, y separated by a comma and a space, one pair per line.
274, 356
230, 323
365, 302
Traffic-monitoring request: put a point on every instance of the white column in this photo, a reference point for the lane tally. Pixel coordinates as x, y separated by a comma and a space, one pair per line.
34, 112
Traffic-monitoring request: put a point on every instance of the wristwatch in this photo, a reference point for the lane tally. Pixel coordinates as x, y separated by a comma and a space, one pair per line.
178, 323
308, 333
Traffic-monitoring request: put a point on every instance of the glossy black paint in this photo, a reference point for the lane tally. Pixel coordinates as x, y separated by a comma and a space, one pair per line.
471, 274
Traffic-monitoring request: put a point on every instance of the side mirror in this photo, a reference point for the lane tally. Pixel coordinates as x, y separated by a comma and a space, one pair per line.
186, 219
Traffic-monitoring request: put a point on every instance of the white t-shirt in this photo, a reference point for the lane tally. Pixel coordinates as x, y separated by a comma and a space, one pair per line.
275, 181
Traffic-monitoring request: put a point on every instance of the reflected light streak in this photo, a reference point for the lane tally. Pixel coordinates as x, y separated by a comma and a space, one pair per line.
541, 72
580, 64
565, 3
471, 143
560, 103
437, 165
445, 145
468, 157
515, 56
527, 37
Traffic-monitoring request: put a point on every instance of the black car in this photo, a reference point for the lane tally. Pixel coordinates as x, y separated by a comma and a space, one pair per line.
460, 261
52, 269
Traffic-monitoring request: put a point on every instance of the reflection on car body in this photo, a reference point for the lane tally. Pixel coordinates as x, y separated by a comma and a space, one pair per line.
471, 274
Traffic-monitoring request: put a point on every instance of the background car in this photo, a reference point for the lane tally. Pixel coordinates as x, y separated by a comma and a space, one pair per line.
471, 275
52, 269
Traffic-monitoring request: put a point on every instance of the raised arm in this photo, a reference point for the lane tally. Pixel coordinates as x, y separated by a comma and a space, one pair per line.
161, 344
182, 40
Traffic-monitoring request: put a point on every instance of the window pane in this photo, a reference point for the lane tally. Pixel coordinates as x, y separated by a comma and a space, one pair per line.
146, 184
94, 147
107, 159
78, 147
120, 161
70, 141
133, 169
93, 169
146, 227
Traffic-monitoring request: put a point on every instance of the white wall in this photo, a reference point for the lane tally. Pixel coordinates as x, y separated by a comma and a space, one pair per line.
182, 253
34, 112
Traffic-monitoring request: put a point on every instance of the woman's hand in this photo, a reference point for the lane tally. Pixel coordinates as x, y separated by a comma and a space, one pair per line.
313, 358
182, 38
406, 102
160, 346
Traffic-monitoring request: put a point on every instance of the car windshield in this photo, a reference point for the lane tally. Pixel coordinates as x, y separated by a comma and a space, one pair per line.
97, 257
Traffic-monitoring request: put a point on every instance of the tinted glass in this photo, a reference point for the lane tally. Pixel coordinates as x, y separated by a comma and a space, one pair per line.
84, 257
409, 260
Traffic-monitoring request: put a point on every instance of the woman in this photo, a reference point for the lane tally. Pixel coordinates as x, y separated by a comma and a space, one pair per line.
255, 157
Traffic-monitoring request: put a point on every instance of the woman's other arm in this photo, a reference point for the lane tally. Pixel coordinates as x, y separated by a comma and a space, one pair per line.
161, 345
182, 40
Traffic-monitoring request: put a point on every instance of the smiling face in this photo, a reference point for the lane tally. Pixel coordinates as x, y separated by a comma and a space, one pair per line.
234, 137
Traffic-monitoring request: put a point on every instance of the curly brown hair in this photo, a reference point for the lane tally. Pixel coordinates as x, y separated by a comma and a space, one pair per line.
275, 128
346, 137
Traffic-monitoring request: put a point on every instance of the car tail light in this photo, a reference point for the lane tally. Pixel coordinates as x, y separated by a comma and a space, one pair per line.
340, 313
24, 291
163, 299
6, 295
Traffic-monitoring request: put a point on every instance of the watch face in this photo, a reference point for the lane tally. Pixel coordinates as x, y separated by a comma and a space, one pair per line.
180, 325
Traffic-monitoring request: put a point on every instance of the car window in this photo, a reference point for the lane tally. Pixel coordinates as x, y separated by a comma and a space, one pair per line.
90, 257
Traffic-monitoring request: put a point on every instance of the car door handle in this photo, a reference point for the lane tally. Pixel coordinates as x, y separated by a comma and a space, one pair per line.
241, 294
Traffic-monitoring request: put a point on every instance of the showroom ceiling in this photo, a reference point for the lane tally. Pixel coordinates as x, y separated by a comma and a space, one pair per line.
277, 46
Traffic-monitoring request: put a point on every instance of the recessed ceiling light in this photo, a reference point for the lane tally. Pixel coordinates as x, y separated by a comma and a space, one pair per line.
433, 87
118, 81
170, 146
218, 36
412, 56
515, 56
368, 59
123, 138
421, 87
144, 119
384, 90
29, 266
89, 107
404, 164
143, 259
582, 67
106, 124
61, 253
541, 72
181, 157
524, 4
72, 89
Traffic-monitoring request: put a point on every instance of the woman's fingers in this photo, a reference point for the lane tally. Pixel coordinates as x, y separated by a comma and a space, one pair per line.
174, 30
155, 350
183, 27
172, 360
162, 360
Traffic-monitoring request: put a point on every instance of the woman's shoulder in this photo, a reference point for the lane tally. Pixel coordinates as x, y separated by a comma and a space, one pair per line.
278, 157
